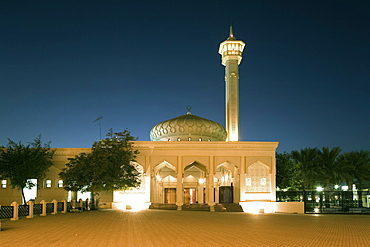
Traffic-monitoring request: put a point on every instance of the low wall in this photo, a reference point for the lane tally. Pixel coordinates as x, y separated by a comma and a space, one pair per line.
273, 207
290, 207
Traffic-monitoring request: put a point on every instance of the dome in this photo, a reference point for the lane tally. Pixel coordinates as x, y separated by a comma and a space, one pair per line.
188, 128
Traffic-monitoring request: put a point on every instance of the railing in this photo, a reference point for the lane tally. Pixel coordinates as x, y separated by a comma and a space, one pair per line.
49, 208
37, 209
329, 202
23, 210
6, 212
14, 211
60, 206
30, 209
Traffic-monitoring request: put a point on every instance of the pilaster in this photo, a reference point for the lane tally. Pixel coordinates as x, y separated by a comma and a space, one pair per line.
179, 188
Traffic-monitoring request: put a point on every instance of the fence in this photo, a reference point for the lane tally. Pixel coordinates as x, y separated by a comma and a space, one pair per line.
329, 202
14, 211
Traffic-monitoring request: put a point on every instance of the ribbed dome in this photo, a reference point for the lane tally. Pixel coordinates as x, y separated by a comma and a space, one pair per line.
188, 128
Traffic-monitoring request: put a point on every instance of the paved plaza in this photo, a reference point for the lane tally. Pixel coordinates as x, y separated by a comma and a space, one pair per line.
186, 228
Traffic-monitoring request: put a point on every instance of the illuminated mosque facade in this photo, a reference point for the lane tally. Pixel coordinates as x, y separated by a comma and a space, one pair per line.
190, 163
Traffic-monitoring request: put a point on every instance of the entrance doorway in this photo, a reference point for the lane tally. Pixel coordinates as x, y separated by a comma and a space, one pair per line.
226, 194
170, 195
190, 196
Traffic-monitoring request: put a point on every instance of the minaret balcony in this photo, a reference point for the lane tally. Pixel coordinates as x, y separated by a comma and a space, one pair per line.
231, 46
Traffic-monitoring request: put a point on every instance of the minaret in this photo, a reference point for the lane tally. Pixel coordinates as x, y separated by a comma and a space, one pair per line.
231, 51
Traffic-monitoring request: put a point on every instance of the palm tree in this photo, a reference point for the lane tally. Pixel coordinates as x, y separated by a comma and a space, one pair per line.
306, 160
359, 161
331, 170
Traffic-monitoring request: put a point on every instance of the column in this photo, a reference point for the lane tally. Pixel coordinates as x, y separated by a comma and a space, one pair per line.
179, 187
55, 211
30, 210
210, 185
43, 208
64, 207
15, 211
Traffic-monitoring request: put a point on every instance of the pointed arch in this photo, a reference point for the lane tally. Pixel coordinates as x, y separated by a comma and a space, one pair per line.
139, 167
229, 166
258, 165
163, 164
196, 165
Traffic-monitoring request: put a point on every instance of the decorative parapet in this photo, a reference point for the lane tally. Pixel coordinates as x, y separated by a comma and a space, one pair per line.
206, 145
70, 151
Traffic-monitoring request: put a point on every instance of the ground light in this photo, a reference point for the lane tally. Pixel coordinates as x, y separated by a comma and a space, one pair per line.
258, 207
130, 201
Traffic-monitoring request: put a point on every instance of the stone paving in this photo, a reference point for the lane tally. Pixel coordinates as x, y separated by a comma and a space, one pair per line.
186, 228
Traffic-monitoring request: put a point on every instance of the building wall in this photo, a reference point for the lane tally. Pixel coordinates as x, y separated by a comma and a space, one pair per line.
174, 160
9, 195
234, 156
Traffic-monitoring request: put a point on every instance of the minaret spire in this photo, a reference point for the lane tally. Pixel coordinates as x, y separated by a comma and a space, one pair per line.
231, 51
231, 35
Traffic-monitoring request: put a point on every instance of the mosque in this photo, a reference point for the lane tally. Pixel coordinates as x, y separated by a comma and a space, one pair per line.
191, 163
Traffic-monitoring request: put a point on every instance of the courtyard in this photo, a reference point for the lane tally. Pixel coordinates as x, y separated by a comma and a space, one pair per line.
186, 228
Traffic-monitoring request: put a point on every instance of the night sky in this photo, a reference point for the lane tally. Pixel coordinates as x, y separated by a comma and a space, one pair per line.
304, 77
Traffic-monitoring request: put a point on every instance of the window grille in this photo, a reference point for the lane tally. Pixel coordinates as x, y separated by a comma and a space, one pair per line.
258, 178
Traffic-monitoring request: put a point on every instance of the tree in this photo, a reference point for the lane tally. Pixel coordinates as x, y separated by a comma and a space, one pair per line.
358, 162
332, 171
20, 163
306, 159
108, 167
287, 172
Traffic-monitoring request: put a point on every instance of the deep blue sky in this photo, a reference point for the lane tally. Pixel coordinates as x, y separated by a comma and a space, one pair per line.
304, 78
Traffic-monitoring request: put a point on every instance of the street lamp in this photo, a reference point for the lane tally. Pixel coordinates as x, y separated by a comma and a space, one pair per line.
320, 190
345, 206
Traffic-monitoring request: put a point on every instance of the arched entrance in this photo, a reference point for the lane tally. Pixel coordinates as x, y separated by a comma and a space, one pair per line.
134, 198
226, 183
194, 183
165, 183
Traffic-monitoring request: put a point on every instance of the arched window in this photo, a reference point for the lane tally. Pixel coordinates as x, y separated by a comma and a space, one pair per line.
3, 183
48, 183
60, 183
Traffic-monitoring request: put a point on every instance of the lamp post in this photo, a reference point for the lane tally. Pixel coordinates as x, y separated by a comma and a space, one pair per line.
345, 206
320, 190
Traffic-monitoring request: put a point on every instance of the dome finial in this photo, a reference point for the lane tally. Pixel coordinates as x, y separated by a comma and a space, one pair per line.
188, 108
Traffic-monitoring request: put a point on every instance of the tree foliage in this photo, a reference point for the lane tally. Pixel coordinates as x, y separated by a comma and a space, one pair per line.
108, 167
306, 160
330, 169
20, 163
287, 172
358, 165
312, 167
